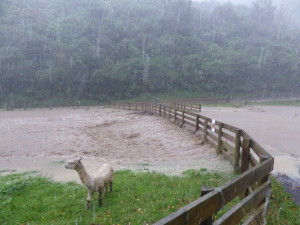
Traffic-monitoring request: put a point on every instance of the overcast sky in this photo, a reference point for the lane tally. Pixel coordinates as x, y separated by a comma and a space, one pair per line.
244, 2
247, 2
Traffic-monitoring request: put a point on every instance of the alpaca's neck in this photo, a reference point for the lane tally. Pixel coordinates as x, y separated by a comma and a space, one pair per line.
83, 175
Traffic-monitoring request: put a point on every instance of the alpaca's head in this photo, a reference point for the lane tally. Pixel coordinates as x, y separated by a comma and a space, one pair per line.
73, 164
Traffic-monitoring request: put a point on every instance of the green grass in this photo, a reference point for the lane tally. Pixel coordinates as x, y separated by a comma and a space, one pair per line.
230, 104
279, 103
282, 209
171, 95
138, 198
266, 103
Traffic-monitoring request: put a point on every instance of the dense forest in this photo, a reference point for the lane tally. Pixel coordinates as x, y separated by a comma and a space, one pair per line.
104, 50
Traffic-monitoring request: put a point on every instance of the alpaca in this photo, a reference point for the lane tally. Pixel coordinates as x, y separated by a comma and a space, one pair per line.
97, 183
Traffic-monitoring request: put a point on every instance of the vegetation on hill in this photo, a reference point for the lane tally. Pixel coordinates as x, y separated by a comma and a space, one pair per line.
102, 49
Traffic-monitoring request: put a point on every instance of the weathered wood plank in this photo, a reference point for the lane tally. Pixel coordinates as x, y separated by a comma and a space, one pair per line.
202, 123
256, 217
203, 117
253, 200
236, 152
229, 127
191, 113
220, 139
253, 161
228, 137
205, 129
203, 208
228, 147
197, 123
246, 135
258, 149
245, 154
194, 119
205, 190
190, 123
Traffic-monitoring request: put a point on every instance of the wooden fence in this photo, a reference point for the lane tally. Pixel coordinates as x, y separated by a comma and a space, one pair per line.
194, 104
248, 158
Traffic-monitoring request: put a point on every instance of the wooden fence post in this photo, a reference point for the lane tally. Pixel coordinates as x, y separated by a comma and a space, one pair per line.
205, 129
263, 158
175, 115
245, 154
197, 123
220, 138
160, 109
169, 112
199, 108
205, 190
182, 119
164, 110
236, 154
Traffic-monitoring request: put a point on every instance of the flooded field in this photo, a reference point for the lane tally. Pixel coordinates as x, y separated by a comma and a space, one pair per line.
277, 129
43, 140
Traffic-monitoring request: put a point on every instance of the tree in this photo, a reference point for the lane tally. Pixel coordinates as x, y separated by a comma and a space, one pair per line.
263, 11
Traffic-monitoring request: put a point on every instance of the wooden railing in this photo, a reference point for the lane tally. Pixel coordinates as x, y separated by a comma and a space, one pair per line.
248, 158
194, 104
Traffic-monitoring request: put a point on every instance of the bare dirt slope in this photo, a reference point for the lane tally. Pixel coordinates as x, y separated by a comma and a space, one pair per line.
44, 139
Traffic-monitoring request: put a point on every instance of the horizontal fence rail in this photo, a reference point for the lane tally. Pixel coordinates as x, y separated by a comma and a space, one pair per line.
248, 158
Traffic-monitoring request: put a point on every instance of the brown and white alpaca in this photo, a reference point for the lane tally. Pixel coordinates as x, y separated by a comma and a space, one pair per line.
97, 183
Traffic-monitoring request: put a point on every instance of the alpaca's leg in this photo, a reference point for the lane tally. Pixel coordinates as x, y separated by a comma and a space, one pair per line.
101, 193
110, 185
88, 200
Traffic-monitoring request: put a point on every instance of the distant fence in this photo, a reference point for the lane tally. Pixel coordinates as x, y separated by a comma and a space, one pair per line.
197, 101
248, 158
194, 104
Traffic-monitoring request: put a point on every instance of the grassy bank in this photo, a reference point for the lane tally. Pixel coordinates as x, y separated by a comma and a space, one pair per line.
138, 198
294, 102
237, 104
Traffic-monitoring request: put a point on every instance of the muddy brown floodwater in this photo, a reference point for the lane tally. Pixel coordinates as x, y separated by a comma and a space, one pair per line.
43, 140
277, 128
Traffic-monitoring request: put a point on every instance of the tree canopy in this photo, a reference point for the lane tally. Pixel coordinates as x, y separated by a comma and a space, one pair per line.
103, 49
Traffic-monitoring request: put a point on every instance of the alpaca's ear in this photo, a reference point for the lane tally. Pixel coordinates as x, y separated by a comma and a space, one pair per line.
80, 158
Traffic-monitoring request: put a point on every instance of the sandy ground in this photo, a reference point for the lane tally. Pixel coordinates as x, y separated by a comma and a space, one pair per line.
44, 140
277, 128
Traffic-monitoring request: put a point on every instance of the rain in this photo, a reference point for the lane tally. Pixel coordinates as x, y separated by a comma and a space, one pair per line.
64, 64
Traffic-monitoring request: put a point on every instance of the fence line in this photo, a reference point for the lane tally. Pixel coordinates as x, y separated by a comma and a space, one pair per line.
247, 156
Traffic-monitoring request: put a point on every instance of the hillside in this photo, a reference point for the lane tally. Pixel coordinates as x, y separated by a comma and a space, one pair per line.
103, 49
